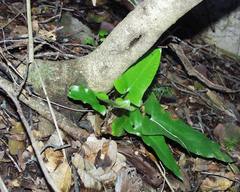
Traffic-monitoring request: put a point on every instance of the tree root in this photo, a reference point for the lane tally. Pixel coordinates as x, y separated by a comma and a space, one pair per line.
129, 40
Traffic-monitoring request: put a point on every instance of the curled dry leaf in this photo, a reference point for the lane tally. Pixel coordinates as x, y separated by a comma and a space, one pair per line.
100, 164
217, 183
104, 150
52, 159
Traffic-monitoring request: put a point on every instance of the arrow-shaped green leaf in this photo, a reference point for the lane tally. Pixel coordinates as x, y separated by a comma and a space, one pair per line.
134, 124
137, 79
177, 130
119, 125
163, 152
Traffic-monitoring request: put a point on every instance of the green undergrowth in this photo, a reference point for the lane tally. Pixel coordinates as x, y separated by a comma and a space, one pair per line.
148, 119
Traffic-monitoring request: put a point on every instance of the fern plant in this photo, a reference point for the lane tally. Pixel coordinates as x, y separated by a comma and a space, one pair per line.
148, 120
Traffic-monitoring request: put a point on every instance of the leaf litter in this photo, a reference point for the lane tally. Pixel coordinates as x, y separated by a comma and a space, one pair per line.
122, 165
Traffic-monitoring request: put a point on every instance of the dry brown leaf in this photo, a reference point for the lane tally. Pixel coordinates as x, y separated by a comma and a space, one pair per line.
217, 183
16, 141
62, 177
52, 159
47, 35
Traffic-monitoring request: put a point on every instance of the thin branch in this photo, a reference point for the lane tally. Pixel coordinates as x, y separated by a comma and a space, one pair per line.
194, 73
30, 36
3, 187
162, 171
63, 106
14, 162
31, 60
42, 108
218, 175
34, 144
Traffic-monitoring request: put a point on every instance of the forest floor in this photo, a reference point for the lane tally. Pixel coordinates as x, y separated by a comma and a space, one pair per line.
193, 83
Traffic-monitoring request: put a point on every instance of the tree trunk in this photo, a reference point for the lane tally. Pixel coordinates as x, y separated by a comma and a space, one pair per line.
129, 40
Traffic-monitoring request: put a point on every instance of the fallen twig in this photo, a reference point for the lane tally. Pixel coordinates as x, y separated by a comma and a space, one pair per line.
218, 175
194, 73
41, 107
34, 144
3, 187
163, 173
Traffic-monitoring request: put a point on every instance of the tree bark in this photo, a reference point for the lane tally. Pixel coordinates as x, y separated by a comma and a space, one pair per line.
129, 40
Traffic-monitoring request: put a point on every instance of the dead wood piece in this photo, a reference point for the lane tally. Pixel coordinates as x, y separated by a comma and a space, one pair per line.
194, 73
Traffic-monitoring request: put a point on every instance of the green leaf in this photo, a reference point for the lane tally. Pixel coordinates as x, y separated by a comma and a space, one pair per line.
102, 33
81, 93
123, 103
177, 130
119, 125
137, 79
163, 152
89, 41
118, 103
136, 120
101, 96
136, 123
